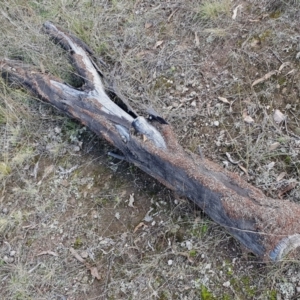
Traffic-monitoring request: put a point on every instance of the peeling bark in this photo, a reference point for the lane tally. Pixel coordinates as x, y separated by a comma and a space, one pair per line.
267, 227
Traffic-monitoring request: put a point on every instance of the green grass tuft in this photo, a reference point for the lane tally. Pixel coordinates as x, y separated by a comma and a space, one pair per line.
211, 10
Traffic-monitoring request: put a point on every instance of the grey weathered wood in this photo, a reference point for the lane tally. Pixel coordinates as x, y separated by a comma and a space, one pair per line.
267, 227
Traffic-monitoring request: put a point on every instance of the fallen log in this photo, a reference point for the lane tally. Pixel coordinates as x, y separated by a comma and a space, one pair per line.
267, 227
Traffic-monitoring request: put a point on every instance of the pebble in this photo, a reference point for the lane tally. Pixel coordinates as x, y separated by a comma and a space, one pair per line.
57, 130
12, 253
8, 260
226, 284
216, 123
65, 183
170, 262
5, 210
189, 245
76, 148
84, 254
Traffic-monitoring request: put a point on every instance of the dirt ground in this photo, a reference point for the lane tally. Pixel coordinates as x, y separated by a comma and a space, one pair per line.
76, 223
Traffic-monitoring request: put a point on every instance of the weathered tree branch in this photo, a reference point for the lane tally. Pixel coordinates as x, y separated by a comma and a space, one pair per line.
268, 227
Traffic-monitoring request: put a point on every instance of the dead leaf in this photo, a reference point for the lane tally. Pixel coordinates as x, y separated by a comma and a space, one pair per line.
274, 146
224, 100
94, 273
76, 255
35, 170
280, 176
148, 25
243, 169
187, 255
172, 14
131, 201
270, 165
157, 44
231, 160
48, 170
287, 189
93, 270
278, 116
285, 64
47, 252
291, 72
247, 118
146, 53
255, 43
42, 68
197, 42
265, 77
137, 227
235, 11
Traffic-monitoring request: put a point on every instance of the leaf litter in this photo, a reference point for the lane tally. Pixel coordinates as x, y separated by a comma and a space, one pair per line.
93, 270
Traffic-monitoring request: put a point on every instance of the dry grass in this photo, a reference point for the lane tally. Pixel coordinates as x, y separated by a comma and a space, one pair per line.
180, 254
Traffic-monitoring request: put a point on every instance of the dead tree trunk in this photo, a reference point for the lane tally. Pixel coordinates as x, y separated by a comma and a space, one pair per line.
268, 227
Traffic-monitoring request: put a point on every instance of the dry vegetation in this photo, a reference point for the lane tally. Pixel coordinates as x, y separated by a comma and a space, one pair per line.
60, 191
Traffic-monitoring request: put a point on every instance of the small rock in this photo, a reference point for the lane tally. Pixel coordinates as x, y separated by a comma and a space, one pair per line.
5, 210
248, 119
94, 214
8, 260
278, 116
216, 123
57, 130
12, 253
76, 148
64, 183
84, 254
170, 262
189, 245
226, 284
298, 289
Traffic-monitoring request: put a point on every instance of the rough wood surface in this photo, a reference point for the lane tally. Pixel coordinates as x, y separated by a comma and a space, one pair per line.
267, 227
